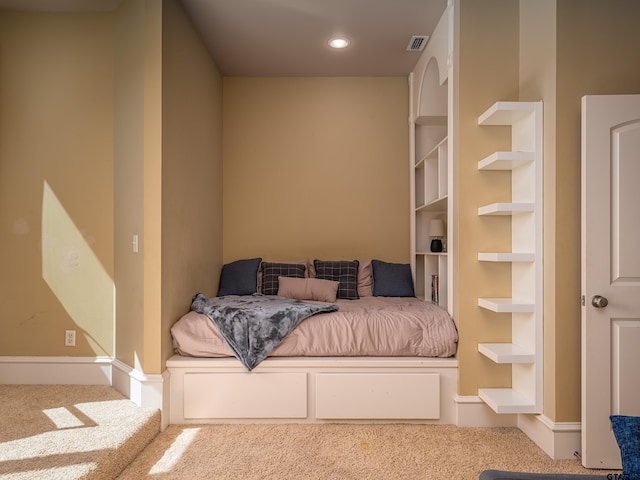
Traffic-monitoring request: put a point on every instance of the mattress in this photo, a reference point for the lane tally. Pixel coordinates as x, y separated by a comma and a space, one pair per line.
370, 326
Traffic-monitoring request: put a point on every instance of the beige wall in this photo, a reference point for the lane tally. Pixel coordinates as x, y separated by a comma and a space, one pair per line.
128, 178
138, 187
110, 126
597, 53
570, 48
191, 169
555, 51
316, 168
168, 176
56, 187
487, 71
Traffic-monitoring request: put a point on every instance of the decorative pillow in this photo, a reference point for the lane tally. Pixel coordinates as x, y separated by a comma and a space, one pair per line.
308, 289
239, 277
392, 279
365, 279
627, 432
342, 271
296, 262
271, 272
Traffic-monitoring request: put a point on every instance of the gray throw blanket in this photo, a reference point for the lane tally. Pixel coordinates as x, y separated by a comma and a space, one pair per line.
254, 325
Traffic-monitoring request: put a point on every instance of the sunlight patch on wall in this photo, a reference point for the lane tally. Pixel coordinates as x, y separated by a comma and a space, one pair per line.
76, 276
137, 363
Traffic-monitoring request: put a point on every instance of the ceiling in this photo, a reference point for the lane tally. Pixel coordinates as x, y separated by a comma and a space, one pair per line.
289, 37
59, 5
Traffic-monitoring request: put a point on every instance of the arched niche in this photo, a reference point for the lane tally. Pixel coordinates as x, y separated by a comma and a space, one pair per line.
432, 100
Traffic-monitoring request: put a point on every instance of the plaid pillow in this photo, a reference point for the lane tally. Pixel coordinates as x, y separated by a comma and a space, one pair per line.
343, 271
271, 272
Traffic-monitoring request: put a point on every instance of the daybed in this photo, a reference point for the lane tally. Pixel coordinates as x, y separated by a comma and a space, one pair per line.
383, 356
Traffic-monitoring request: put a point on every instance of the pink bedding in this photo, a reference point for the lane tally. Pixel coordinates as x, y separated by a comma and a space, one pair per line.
370, 326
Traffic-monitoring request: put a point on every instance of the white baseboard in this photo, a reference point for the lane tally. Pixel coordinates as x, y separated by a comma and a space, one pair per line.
144, 390
560, 440
55, 370
471, 411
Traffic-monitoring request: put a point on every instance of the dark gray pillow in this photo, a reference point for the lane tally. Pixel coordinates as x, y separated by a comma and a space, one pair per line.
271, 271
392, 279
345, 272
239, 277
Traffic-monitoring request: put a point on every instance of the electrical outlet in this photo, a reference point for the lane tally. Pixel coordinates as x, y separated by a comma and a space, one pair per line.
70, 338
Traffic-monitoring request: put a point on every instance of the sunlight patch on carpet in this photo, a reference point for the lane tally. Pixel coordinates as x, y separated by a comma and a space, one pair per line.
63, 418
174, 453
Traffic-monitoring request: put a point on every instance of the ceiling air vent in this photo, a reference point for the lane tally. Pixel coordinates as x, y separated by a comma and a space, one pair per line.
417, 43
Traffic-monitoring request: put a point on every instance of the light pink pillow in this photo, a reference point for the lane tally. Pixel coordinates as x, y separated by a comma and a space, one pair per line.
308, 289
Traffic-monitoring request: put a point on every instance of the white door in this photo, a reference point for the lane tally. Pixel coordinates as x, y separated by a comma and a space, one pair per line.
610, 271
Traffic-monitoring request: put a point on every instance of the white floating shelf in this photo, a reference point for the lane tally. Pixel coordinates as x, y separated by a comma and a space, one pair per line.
505, 305
506, 113
505, 208
506, 257
506, 400
506, 353
505, 160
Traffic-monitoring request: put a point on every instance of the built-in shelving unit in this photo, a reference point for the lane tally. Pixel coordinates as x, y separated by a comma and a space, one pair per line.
431, 165
431, 179
524, 211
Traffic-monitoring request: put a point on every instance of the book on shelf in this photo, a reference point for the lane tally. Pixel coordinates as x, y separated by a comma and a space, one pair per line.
435, 288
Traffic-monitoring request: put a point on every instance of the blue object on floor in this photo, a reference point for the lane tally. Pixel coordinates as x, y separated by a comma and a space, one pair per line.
504, 475
626, 429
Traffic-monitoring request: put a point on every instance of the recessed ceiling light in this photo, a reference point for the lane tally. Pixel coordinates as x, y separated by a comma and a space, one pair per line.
339, 42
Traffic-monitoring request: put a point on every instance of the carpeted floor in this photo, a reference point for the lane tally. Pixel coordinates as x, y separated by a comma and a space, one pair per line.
85, 432
344, 452
70, 432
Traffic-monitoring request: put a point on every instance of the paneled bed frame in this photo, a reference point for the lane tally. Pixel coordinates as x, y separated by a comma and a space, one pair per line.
313, 390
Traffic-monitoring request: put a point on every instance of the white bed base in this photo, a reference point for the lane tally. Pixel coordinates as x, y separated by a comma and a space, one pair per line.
313, 390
